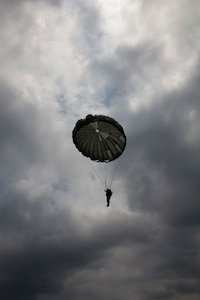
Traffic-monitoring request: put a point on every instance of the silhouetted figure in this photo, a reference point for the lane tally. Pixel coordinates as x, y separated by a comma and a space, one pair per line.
108, 196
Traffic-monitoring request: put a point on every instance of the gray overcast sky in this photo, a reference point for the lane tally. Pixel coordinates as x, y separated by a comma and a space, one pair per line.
138, 62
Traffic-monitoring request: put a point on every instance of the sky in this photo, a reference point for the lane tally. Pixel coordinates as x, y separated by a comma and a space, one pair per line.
138, 62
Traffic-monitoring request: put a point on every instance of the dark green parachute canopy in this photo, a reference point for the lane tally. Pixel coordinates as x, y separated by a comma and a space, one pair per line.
99, 137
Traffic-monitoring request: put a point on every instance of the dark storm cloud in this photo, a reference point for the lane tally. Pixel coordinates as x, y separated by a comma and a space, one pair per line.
42, 246
163, 137
34, 255
164, 146
21, 144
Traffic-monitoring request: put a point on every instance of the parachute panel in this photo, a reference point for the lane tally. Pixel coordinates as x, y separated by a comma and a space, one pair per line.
100, 138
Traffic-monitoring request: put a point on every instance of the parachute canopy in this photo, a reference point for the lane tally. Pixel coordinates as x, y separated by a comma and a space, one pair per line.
99, 137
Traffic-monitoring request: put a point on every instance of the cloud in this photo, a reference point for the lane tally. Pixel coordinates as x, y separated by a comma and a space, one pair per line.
139, 63
163, 139
20, 2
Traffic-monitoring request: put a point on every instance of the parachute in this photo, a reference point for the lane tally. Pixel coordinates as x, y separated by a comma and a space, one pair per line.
99, 137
